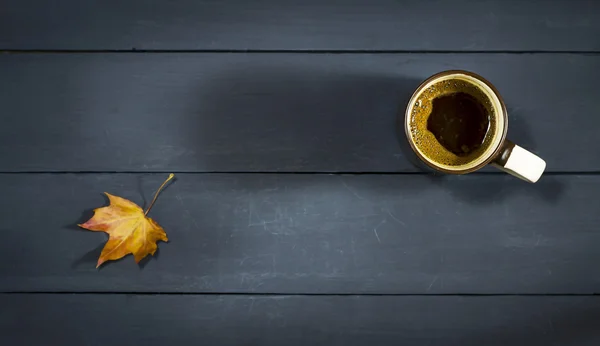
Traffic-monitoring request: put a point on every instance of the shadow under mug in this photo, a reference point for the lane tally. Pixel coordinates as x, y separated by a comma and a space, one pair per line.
501, 153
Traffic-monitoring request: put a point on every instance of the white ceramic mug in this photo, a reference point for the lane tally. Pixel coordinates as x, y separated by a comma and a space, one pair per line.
496, 150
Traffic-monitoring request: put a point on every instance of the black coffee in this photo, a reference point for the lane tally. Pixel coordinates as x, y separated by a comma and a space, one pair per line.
459, 122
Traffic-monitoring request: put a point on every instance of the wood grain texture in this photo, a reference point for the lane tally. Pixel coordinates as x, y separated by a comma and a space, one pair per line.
271, 112
460, 25
299, 320
287, 233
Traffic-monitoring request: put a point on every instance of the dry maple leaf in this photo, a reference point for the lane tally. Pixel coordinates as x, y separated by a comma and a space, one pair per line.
130, 230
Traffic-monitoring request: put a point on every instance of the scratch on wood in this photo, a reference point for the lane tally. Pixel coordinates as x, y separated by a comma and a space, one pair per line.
375, 230
432, 282
255, 287
394, 217
351, 190
246, 257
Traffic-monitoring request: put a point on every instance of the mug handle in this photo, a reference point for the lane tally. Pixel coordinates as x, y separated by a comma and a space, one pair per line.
519, 162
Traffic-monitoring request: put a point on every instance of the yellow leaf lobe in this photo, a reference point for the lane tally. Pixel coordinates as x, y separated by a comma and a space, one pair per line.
130, 230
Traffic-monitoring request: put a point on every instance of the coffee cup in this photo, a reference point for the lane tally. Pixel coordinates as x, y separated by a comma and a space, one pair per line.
456, 122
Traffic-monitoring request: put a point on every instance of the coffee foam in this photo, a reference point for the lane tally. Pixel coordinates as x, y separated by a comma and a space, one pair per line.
425, 142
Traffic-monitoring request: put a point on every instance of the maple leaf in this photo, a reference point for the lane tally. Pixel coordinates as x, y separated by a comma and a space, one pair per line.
130, 230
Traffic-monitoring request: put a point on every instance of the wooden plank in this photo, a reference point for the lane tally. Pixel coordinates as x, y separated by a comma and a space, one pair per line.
460, 25
310, 234
298, 320
271, 112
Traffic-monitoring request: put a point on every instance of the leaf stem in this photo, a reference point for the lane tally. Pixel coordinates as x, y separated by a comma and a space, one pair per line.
171, 176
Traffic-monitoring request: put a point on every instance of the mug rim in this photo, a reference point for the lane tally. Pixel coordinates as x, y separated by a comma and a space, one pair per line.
503, 132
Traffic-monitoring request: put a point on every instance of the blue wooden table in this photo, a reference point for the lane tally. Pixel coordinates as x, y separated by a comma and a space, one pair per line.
298, 216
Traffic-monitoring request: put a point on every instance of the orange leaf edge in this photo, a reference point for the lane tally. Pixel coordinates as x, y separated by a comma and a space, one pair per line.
117, 200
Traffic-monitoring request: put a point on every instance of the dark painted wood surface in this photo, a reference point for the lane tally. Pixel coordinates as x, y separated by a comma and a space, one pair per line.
298, 320
270, 96
271, 112
311, 234
460, 25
